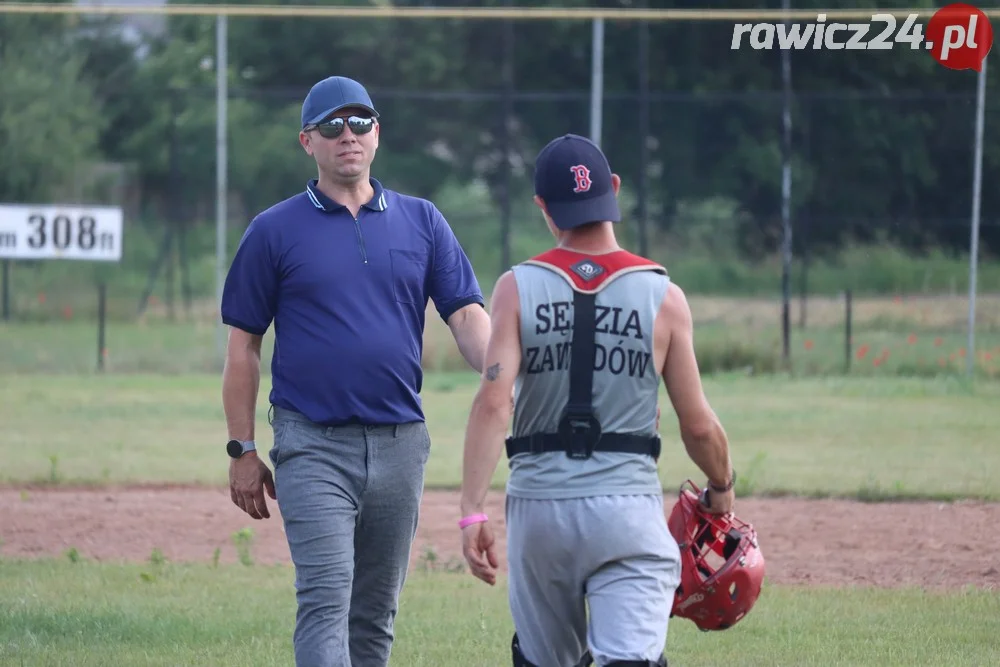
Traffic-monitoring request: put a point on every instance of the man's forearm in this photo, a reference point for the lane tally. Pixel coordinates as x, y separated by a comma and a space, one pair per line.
472, 334
484, 441
240, 384
709, 449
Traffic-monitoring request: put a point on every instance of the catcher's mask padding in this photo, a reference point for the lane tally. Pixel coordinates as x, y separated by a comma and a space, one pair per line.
722, 567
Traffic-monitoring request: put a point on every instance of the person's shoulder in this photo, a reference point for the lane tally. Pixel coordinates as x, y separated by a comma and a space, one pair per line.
505, 294
675, 306
265, 225
423, 206
282, 210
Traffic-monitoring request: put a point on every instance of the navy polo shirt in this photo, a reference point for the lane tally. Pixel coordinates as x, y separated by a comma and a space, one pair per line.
347, 298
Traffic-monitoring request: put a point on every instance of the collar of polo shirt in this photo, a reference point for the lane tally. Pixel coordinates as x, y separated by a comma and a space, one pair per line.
327, 205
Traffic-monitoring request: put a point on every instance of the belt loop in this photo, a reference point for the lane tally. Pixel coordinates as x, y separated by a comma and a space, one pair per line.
395, 431
270, 414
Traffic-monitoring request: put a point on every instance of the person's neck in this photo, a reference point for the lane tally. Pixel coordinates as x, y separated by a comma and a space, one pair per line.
353, 194
598, 241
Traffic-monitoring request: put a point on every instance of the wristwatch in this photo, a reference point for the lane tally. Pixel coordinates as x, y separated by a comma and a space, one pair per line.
237, 448
727, 487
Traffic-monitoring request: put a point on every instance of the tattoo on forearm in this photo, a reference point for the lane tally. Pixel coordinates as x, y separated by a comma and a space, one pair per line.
492, 372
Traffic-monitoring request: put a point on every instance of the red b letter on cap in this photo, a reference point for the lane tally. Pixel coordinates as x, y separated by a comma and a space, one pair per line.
582, 176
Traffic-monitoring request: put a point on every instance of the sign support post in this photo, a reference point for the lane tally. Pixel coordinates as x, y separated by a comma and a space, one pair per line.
62, 232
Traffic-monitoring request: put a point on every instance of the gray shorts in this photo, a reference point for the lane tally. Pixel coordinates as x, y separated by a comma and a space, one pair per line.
611, 554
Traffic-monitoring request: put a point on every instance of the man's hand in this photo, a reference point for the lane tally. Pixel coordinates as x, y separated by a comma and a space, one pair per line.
479, 549
719, 503
248, 477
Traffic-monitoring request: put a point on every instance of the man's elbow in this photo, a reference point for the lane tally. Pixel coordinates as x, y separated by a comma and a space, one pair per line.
700, 431
492, 404
465, 315
470, 327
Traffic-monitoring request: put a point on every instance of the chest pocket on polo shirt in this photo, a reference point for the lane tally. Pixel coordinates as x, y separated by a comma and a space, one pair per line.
409, 275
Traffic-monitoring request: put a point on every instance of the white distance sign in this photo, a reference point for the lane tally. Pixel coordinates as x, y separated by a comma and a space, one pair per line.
53, 231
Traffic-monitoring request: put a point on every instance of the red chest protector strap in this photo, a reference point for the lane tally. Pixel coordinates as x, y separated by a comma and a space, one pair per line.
580, 432
589, 274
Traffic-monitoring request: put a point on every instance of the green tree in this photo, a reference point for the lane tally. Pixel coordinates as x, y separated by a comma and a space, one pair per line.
50, 118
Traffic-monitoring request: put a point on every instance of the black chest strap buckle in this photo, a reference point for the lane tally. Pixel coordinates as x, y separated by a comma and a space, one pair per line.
579, 428
579, 432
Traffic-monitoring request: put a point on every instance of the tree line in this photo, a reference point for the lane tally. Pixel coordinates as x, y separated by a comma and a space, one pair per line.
882, 141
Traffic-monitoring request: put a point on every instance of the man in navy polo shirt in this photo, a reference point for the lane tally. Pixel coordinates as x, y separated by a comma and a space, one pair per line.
344, 271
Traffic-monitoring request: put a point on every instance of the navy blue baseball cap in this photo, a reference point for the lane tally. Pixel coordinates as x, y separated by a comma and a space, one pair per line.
573, 176
332, 94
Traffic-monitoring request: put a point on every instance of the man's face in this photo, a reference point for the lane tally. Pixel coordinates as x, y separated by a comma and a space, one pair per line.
348, 156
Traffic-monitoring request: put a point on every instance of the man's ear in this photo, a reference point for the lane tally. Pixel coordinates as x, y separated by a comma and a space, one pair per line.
616, 183
304, 140
545, 214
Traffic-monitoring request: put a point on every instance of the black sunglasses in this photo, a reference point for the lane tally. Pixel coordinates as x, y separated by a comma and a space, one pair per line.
334, 127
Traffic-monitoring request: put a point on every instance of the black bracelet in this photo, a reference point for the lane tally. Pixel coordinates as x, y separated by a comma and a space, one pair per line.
723, 489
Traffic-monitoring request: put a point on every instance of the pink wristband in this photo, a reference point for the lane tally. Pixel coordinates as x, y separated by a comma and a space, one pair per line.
471, 519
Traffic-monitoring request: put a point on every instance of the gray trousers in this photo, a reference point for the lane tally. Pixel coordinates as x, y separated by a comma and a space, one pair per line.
349, 498
610, 555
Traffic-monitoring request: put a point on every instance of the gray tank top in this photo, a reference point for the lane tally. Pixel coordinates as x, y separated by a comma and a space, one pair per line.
625, 391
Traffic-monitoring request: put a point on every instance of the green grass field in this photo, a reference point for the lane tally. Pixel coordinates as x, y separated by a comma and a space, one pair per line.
907, 437
100, 615
875, 438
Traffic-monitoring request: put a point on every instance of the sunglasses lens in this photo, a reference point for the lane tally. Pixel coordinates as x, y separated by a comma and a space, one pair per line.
361, 125
332, 128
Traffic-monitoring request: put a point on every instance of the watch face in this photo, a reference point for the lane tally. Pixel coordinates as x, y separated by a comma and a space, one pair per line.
234, 448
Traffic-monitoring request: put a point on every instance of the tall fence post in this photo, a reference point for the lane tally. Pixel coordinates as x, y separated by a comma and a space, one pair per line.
977, 180
642, 185
847, 331
221, 169
596, 80
102, 316
786, 195
5, 288
507, 115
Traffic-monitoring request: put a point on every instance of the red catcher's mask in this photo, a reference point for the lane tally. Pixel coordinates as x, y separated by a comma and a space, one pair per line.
722, 567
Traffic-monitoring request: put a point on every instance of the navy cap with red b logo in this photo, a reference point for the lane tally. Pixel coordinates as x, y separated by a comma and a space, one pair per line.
573, 177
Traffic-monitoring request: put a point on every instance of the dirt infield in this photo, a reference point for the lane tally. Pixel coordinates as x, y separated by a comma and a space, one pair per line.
812, 542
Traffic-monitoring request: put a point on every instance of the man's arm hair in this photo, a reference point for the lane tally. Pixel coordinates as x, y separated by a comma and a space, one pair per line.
240, 383
701, 431
491, 407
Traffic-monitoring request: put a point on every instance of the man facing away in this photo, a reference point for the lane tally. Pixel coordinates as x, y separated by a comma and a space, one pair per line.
585, 332
344, 270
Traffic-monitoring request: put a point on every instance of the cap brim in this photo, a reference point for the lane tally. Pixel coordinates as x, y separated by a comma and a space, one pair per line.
567, 215
318, 117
